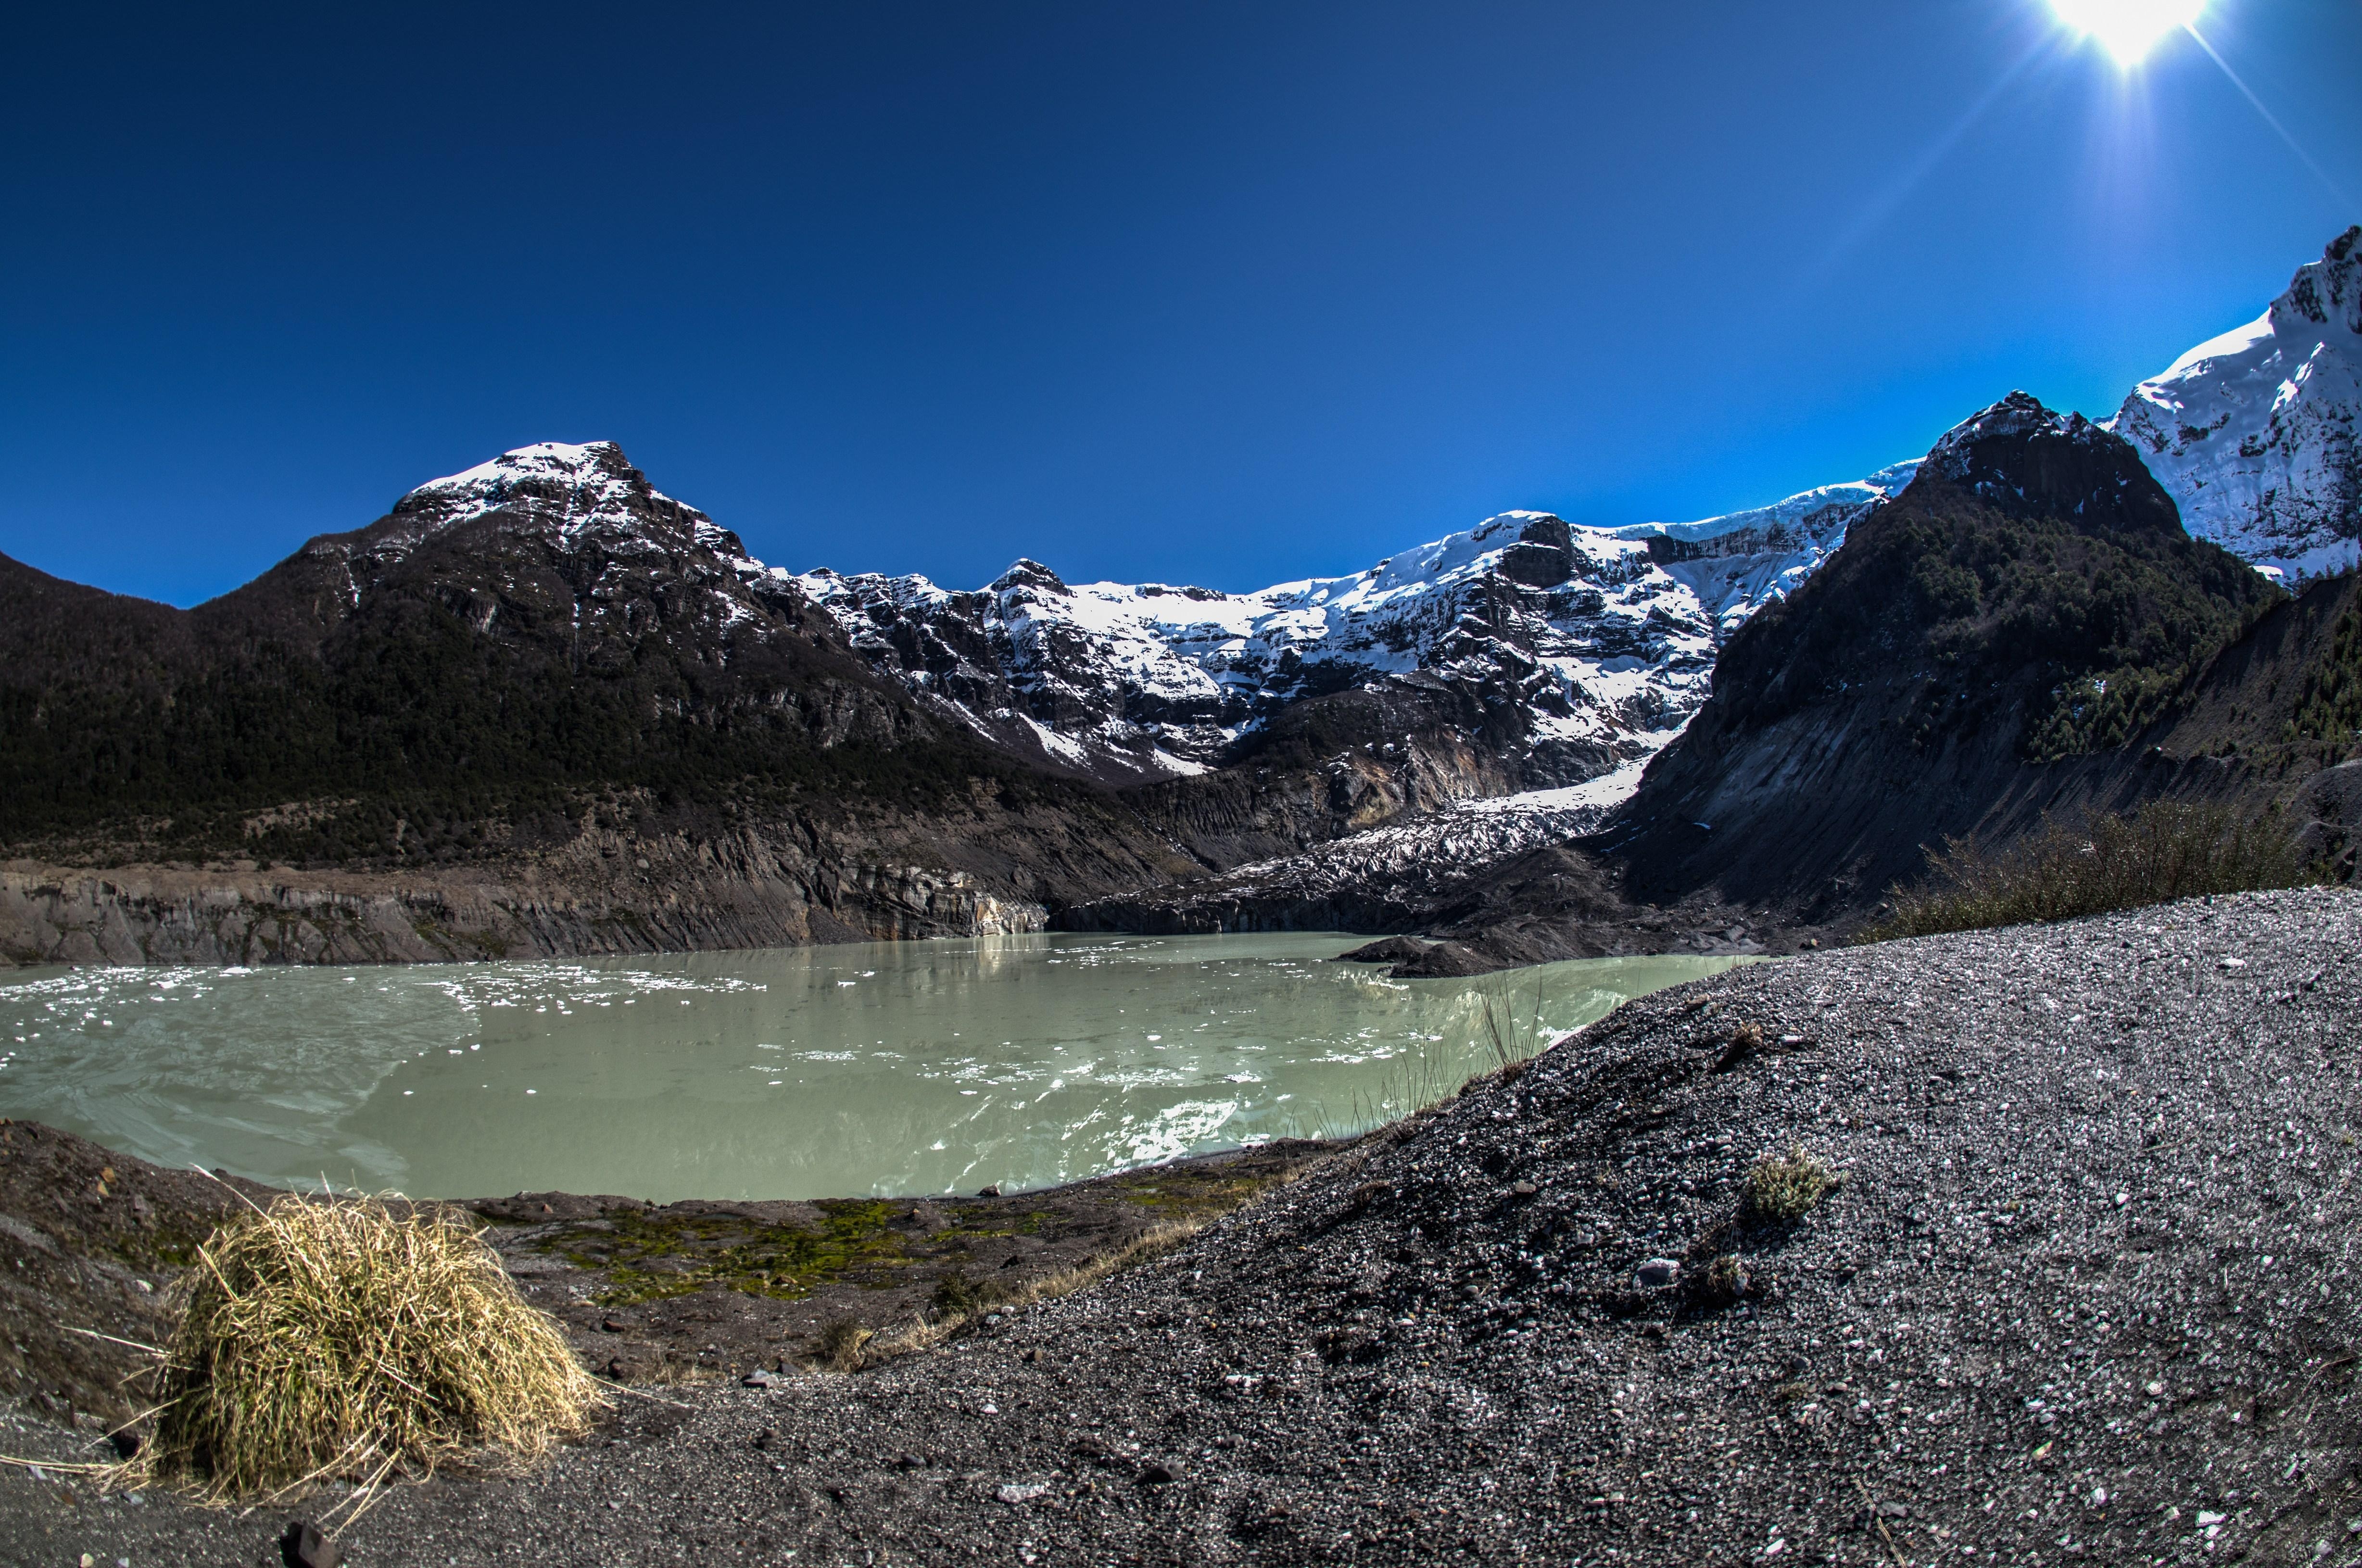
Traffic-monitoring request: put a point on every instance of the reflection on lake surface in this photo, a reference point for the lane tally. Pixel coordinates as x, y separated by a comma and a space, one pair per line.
906, 1067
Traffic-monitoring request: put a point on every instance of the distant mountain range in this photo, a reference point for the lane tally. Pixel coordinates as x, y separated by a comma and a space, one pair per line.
1599, 642
548, 671
1602, 639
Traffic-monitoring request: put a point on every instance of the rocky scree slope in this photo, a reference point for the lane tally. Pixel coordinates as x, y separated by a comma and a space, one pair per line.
2085, 1292
2257, 434
1403, 876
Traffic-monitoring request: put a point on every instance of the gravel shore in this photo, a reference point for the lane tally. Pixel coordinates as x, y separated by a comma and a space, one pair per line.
2084, 1293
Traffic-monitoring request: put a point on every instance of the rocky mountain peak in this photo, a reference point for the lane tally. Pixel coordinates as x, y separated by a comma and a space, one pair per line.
2326, 294
1026, 572
2029, 460
572, 492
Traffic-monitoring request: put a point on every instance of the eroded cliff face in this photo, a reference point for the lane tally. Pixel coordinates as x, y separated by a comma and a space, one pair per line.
659, 898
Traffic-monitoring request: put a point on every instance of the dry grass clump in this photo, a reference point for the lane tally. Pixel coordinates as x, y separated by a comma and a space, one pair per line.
2162, 853
1784, 1188
322, 1338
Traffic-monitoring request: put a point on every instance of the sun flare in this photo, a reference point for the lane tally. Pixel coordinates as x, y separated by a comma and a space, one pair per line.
2129, 29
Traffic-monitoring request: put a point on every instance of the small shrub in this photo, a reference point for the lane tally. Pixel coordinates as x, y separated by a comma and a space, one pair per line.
320, 1338
1723, 1281
2162, 853
839, 1346
1784, 1188
1745, 1041
956, 1295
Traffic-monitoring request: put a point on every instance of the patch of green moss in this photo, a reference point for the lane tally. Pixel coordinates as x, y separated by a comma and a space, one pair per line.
975, 1224
786, 1263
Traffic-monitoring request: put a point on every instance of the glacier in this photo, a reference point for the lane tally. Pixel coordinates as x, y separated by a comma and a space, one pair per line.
2254, 433
1604, 637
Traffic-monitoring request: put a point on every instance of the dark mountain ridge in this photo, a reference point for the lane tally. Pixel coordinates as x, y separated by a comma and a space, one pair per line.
540, 706
2030, 597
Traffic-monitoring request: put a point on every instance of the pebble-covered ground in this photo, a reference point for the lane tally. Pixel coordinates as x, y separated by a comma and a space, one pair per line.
2085, 1294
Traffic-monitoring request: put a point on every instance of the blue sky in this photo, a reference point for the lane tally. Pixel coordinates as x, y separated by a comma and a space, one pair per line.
1199, 293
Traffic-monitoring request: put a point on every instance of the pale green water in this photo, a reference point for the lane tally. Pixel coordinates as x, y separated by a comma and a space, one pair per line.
807, 1072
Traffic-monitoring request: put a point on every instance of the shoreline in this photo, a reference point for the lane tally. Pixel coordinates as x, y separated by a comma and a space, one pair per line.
647, 1293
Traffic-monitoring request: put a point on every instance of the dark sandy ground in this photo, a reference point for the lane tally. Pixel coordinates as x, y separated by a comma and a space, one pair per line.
2087, 1294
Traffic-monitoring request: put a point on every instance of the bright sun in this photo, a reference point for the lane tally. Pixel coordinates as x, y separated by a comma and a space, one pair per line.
2129, 28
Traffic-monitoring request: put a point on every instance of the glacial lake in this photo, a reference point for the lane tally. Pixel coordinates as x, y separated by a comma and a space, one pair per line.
885, 1068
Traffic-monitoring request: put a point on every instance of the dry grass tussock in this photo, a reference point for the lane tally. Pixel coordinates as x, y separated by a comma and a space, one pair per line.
850, 1353
338, 1338
2161, 853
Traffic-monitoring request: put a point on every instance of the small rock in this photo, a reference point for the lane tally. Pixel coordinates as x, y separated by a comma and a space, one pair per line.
1525, 1189
766, 1440
1160, 1472
1657, 1273
1017, 1492
305, 1547
759, 1378
991, 1191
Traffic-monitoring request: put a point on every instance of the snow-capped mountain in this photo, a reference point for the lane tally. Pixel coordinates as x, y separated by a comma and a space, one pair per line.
584, 491
1604, 639
577, 520
2255, 433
